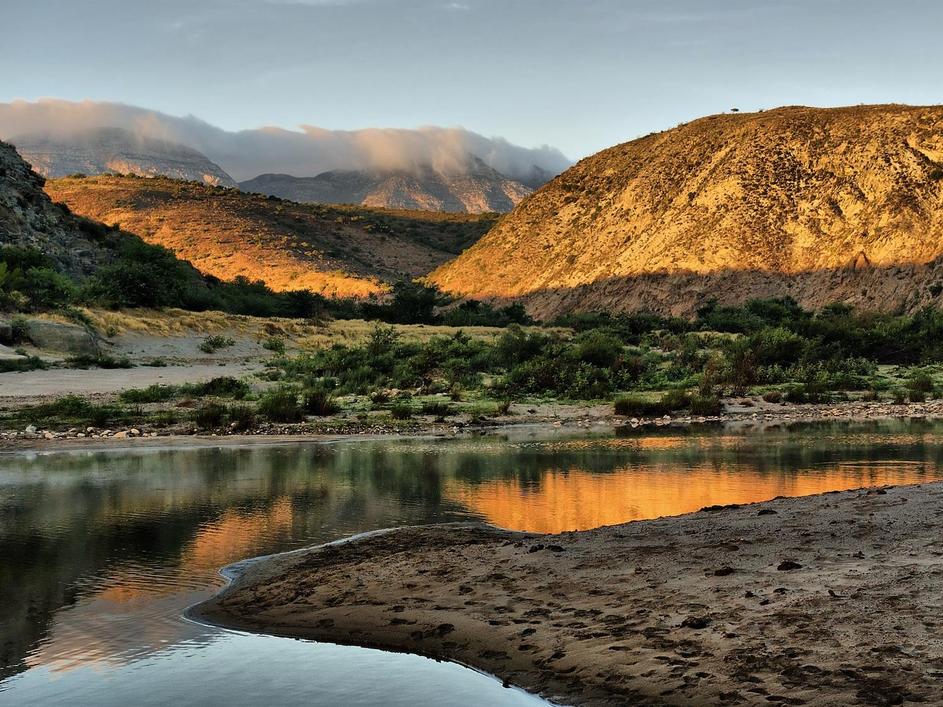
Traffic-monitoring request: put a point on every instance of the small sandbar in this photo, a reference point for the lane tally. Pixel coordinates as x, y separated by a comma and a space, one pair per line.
822, 600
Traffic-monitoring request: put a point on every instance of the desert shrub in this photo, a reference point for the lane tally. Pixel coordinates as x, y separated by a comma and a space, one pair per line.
67, 405
401, 410
103, 415
707, 406
597, 348
142, 276
319, 402
633, 406
436, 408
475, 313
220, 387
27, 363
210, 416
241, 417
156, 393
19, 330
796, 394
274, 343
215, 343
74, 409
379, 397
100, 360
920, 382
281, 405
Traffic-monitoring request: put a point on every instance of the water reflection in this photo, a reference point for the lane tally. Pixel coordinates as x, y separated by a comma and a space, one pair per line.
100, 552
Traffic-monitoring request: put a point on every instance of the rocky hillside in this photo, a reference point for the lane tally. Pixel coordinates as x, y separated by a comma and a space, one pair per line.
117, 151
28, 218
227, 233
480, 189
822, 204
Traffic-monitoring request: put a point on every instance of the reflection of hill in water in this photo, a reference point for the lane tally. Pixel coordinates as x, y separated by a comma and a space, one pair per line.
128, 540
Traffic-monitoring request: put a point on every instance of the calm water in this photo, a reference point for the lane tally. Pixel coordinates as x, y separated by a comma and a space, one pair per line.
101, 552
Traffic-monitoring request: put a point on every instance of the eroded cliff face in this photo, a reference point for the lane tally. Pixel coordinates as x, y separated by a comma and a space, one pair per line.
117, 151
479, 189
821, 204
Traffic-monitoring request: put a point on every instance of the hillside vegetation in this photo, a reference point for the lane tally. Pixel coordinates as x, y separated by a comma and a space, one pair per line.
822, 205
335, 251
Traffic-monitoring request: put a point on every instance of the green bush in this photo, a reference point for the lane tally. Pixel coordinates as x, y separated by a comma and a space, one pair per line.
640, 407
437, 408
275, 344
210, 416
401, 410
101, 360
213, 343
220, 387
156, 393
319, 402
709, 406
379, 397
28, 363
281, 405
241, 417
920, 382
773, 396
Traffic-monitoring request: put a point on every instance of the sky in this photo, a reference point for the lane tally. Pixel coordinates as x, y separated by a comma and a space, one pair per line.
579, 75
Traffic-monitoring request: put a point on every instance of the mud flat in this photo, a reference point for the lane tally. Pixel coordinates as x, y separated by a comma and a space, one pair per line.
824, 600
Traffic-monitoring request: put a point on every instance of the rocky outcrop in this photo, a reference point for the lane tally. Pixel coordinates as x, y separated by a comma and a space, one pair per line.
117, 151
63, 338
823, 205
28, 218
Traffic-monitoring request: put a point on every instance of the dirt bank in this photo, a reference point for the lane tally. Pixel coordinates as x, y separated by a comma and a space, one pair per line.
823, 600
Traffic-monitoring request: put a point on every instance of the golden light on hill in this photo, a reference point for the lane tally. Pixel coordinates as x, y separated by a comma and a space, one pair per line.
335, 251
823, 205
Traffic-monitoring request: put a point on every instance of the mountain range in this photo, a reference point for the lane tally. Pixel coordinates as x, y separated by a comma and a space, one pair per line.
476, 189
116, 151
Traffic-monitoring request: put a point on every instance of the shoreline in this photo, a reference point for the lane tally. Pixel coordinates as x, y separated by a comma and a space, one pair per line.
577, 418
829, 599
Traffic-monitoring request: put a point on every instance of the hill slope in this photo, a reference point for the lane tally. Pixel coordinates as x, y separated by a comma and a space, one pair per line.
480, 189
28, 218
821, 204
117, 151
227, 233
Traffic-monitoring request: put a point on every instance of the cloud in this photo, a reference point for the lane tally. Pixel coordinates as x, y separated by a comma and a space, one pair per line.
307, 151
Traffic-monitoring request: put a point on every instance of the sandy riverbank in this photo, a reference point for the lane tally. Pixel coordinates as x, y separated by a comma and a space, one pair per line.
823, 600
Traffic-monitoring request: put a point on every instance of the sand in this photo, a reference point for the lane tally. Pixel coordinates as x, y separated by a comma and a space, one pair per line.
825, 600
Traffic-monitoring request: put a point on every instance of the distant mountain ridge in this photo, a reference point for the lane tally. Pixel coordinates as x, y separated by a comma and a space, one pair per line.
823, 205
117, 151
478, 189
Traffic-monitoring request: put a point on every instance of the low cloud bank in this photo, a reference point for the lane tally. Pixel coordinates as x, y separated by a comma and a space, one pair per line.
305, 152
